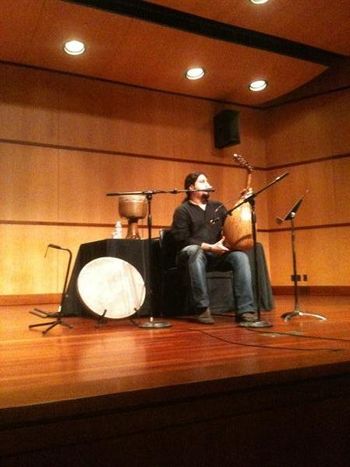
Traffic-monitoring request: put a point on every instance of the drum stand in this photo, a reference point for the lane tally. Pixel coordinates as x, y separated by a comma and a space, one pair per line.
152, 323
295, 277
259, 323
58, 314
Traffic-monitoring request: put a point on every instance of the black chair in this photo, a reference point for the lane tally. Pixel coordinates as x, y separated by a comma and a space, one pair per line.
174, 299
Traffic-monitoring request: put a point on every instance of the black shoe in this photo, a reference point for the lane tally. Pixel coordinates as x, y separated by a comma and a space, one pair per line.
205, 317
247, 317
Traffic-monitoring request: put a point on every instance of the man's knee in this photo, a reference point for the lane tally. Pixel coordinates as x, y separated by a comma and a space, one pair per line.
192, 250
238, 259
190, 253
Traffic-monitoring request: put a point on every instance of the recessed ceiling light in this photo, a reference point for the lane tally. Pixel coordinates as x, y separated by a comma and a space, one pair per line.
74, 47
195, 73
259, 2
258, 85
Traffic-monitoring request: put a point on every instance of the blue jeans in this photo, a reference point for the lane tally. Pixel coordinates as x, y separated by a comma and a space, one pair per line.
198, 263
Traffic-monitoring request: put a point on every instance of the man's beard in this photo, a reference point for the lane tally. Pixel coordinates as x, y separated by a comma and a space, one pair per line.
205, 196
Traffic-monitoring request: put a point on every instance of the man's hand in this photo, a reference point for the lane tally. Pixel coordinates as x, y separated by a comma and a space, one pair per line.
218, 248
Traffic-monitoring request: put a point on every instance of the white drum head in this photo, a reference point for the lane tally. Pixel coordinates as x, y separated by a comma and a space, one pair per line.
111, 287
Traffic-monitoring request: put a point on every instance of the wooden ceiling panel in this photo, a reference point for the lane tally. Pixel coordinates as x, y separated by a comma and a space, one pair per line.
229, 67
103, 34
133, 51
17, 26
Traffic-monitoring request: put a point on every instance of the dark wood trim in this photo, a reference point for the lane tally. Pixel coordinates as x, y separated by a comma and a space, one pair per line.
169, 159
119, 153
309, 161
158, 226
30, 299
57, 224
328, 290
73, 224
307, 227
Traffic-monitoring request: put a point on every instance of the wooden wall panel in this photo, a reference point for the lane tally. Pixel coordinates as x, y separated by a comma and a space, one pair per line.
103, 116
316, 129
67, 141
319, 204
24, 268
28, 104
51, 108
310, 129
29, 183
341, 178
321, 254
89, 177
109, 117
86, 178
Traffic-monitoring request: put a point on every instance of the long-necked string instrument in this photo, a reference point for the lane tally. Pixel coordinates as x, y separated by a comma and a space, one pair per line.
237, 227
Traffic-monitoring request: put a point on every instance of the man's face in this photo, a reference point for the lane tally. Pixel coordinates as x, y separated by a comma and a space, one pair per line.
202, 185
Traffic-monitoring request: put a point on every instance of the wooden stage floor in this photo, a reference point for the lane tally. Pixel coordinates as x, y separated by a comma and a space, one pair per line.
91, 369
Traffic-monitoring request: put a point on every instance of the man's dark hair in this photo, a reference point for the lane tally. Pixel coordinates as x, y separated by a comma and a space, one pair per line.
191, 180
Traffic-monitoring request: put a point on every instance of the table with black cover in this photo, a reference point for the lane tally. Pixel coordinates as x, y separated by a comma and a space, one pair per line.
135, 252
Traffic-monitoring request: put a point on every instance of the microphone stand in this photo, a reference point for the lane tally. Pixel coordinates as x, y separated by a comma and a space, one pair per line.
259, 323
295, 277
58, 314
151, 323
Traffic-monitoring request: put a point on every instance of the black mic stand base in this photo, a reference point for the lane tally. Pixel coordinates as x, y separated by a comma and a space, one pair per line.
152, 324
50, 324
288, 316
58, 314
44, 314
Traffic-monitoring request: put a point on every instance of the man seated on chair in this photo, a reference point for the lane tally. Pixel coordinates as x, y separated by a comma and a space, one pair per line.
201, 247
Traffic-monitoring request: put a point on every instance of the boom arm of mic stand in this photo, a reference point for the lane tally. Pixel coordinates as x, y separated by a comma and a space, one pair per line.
174, 191
253, 195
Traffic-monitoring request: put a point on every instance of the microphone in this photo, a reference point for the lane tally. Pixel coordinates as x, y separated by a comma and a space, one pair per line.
207, 189
219, 207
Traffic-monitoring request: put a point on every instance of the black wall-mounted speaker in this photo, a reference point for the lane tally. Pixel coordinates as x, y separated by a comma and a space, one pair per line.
226, 128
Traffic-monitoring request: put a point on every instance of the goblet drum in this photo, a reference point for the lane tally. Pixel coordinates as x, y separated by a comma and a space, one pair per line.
133, 207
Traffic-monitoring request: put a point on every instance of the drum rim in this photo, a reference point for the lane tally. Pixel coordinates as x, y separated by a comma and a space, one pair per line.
119, 261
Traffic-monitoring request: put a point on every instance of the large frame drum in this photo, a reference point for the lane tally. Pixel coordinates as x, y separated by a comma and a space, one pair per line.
111, 287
